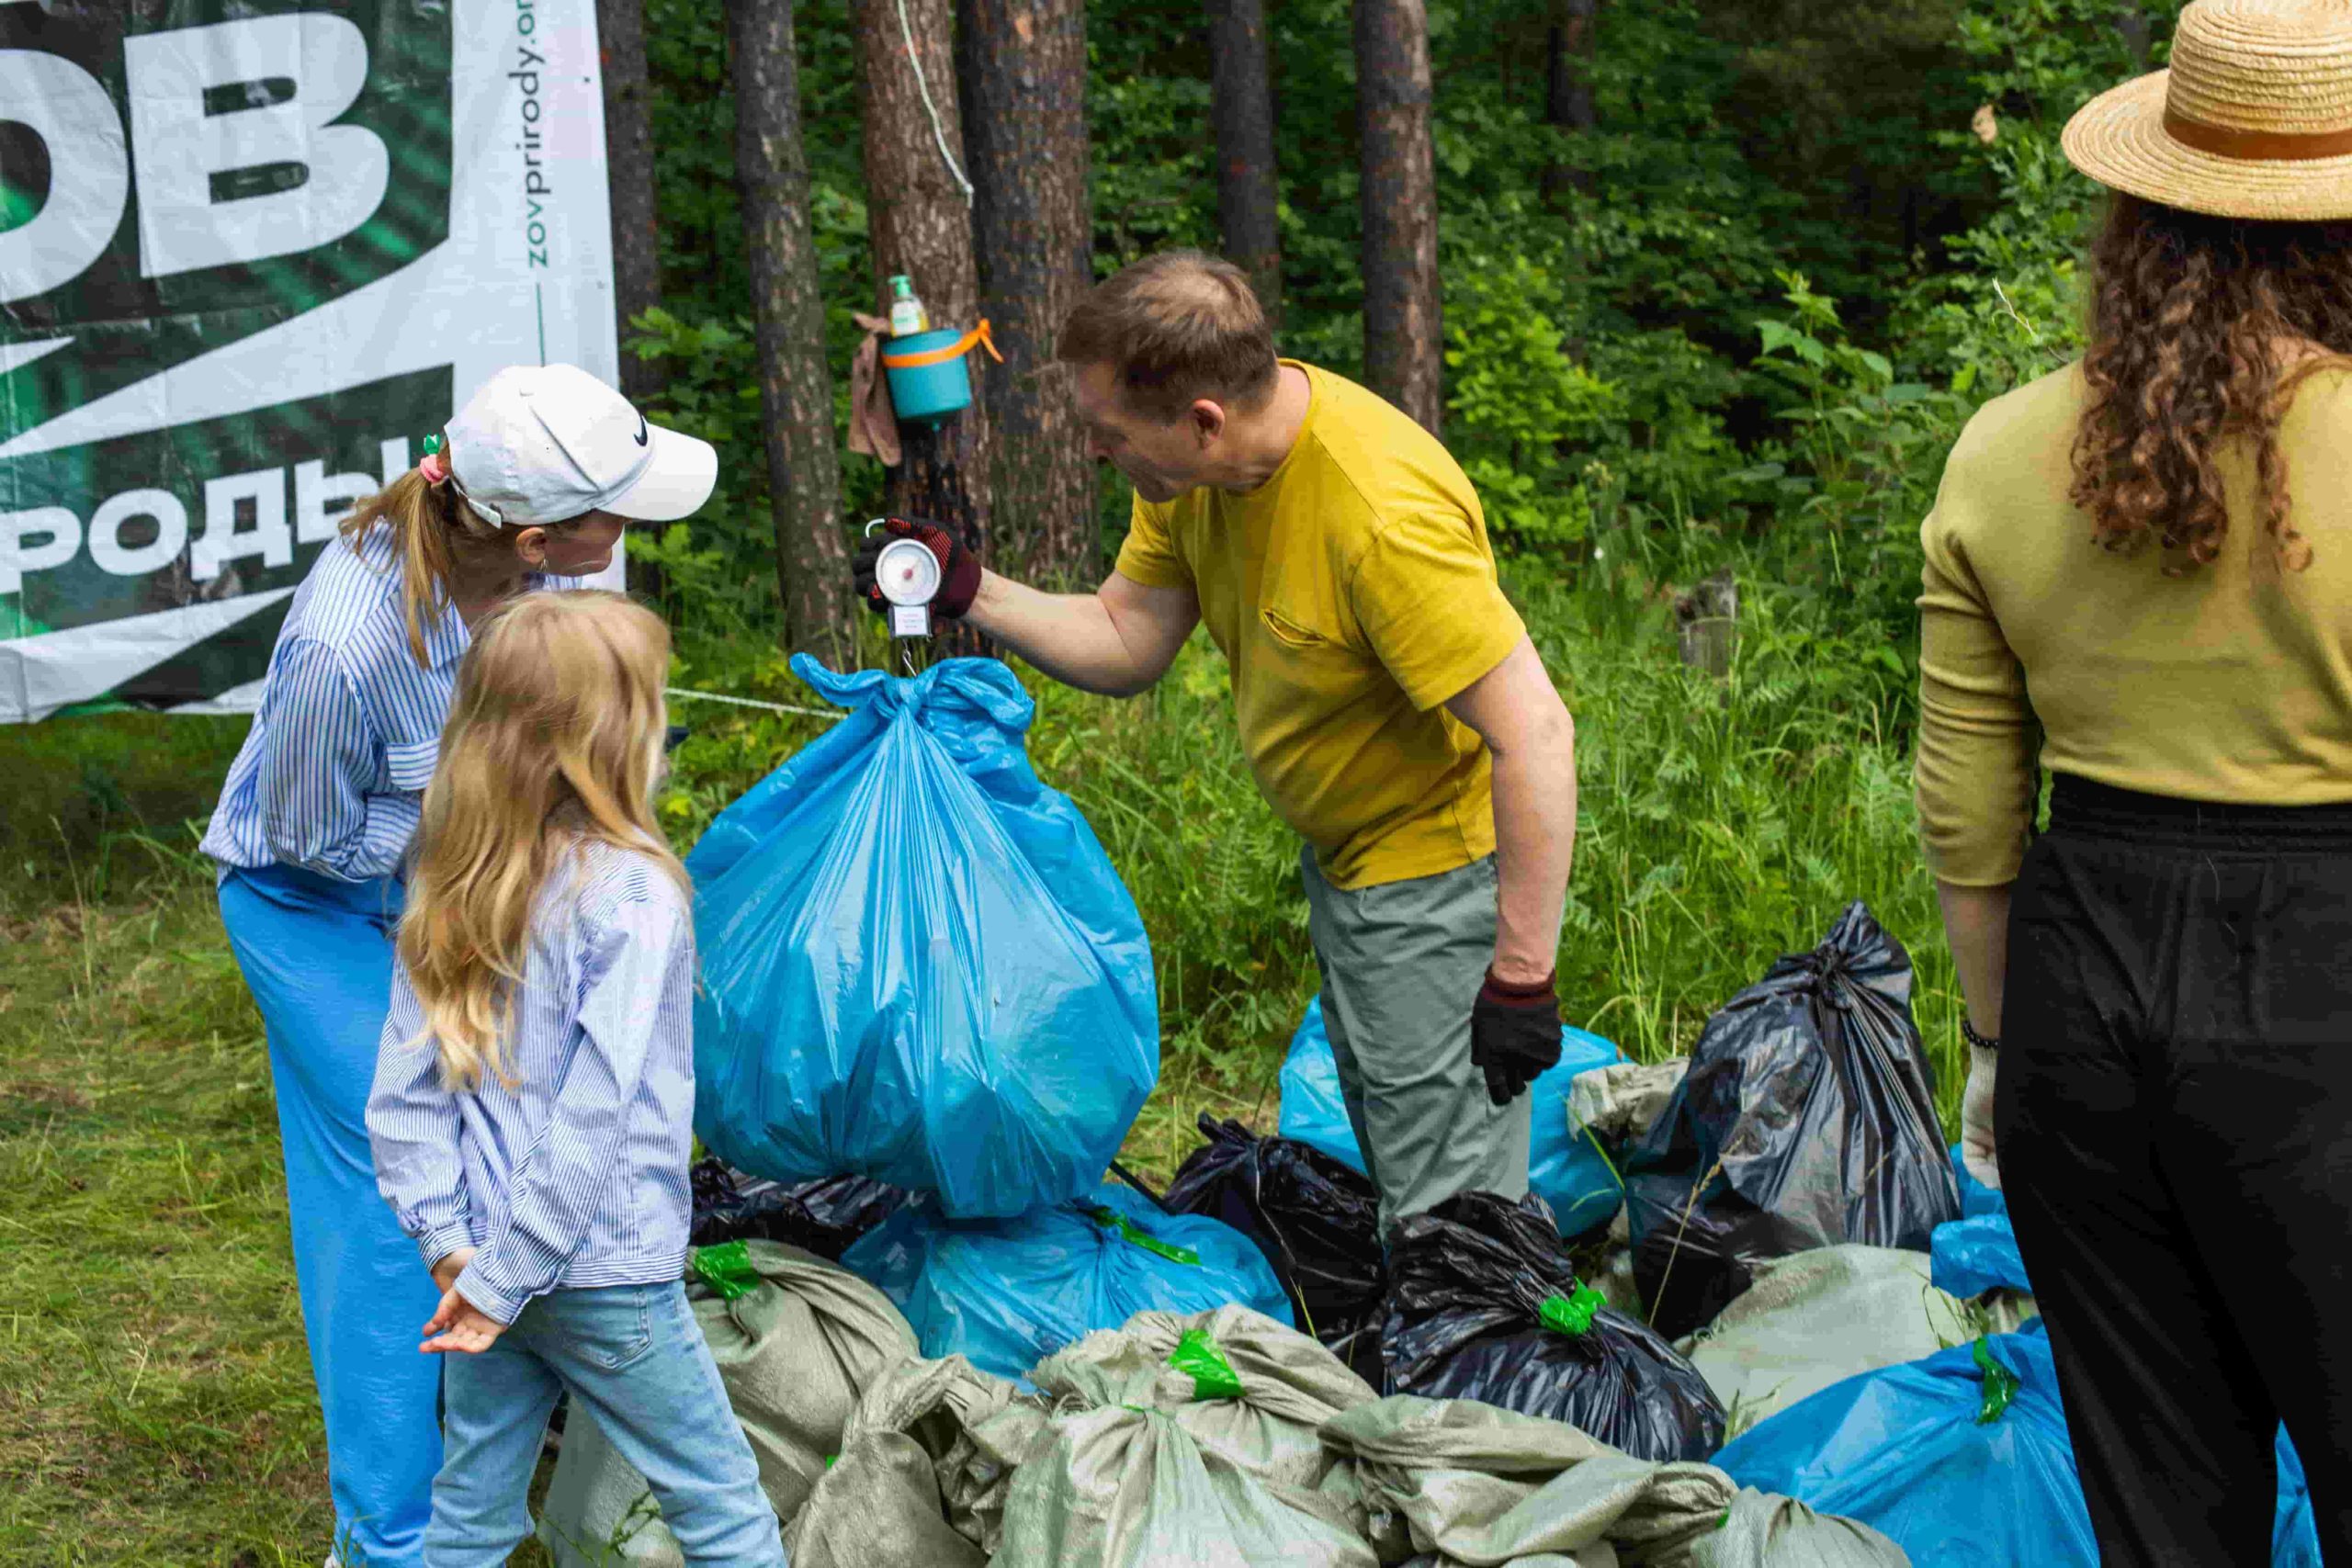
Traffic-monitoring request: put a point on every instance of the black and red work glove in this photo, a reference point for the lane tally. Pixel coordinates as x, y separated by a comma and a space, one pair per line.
1514, 1035
959, 569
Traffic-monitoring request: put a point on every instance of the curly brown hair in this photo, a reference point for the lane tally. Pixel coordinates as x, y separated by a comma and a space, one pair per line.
2195, 324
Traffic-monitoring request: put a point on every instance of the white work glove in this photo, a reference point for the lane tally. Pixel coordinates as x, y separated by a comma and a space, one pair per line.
1977, 1151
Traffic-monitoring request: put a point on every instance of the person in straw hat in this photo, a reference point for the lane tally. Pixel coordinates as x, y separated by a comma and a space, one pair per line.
2140, 568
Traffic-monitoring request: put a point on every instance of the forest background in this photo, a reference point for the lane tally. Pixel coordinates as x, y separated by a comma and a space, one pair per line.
1719, 281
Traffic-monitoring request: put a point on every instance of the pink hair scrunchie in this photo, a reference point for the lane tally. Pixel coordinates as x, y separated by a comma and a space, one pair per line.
434, 467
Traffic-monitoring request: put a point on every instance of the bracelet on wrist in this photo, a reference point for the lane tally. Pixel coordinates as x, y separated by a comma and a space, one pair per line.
1977, 1042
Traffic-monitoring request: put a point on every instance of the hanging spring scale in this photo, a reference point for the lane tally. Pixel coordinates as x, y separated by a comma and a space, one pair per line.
908, 576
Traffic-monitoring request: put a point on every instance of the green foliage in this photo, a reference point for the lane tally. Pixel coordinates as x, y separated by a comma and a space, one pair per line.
2008, 309
1522, 404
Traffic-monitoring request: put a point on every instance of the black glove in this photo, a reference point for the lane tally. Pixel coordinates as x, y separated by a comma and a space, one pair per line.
1514, 1035
959, 569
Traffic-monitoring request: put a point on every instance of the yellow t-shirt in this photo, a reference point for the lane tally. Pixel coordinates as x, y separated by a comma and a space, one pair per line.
2231, 683
1353, 593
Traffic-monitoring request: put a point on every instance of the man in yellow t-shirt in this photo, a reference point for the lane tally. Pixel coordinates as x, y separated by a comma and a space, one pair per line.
1394, 711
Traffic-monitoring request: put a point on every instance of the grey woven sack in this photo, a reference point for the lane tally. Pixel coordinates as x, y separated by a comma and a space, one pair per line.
1248, 1389
1116, 1482
798, 1341
1455, 1483
1814, 1318
923, 1471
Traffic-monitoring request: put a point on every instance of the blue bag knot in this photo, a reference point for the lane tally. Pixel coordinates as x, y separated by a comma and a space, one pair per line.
948, 695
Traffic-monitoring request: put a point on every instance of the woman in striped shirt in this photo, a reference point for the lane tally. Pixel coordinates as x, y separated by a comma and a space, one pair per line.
544, 466
533, 1111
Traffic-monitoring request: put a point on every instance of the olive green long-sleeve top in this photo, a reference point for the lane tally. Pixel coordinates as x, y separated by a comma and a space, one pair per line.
2231, 683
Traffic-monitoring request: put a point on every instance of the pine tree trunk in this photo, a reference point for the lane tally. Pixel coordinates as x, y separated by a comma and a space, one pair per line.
1241, 109
922, 224
812, 553
1404, 333
629, 163
1567, 97
1023, 77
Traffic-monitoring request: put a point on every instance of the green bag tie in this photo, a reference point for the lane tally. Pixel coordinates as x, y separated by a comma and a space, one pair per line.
2000, 1383
1110, 1218
1213, 1375
726, 1269
1571, 1316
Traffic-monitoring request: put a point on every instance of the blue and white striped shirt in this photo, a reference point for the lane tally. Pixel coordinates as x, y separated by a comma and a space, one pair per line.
332, 775
577, 1175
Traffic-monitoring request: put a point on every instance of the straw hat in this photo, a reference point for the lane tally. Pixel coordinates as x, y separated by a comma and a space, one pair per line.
2253, 120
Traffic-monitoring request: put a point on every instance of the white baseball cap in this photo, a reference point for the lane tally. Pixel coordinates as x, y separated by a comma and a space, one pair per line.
541, 444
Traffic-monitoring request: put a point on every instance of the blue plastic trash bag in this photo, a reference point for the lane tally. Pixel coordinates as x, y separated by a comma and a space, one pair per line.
1968, 1257
1565, 1167
1007, 1294
2294, 1539
1312, 1110
1978, 1252
1961, 1458
1976, 1198
1961, 1467
917, 964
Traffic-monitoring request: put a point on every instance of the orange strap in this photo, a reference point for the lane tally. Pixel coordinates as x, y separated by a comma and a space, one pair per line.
955, 350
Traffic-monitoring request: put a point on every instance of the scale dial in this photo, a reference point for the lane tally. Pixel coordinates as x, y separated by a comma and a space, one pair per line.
907, 572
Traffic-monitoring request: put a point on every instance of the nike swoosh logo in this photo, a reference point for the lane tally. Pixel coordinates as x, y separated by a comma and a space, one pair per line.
641, 430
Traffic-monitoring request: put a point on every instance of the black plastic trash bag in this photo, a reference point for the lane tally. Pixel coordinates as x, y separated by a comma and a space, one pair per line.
1484, 1303
1807, 1119
1317, 1221
822, 1217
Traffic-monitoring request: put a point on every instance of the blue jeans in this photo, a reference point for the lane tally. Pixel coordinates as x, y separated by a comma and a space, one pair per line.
634, 1361
317, 955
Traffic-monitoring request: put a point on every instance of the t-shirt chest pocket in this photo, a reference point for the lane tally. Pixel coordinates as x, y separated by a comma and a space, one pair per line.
1296, 632
408, 767
1306, 655
1302, 609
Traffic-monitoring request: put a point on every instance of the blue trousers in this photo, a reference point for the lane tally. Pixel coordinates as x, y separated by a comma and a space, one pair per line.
317, 955
636, 1363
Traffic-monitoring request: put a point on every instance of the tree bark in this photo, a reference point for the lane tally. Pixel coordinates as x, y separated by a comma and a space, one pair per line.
1404, 329
1567, 97
1241, 110
1022, 75
922, 224
629, 163
812, 552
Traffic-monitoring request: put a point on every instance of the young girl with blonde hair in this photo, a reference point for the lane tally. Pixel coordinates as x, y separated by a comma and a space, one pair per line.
533, 1109
542, 469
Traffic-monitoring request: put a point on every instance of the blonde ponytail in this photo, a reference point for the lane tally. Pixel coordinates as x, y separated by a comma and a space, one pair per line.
554, 742
433, 531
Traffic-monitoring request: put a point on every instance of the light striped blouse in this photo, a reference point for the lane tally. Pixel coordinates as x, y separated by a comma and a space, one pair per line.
332, 775
577, 1175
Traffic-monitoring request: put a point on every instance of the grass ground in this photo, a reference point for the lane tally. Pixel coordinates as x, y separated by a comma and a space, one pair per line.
155, 1405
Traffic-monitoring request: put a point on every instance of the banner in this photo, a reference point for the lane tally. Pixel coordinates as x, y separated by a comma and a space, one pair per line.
250, 253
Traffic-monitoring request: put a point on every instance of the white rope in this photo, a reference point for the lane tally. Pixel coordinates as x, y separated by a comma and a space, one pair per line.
754, 702
906, 32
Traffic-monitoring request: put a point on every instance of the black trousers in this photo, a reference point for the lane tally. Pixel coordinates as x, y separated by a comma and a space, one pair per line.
2174, 1126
